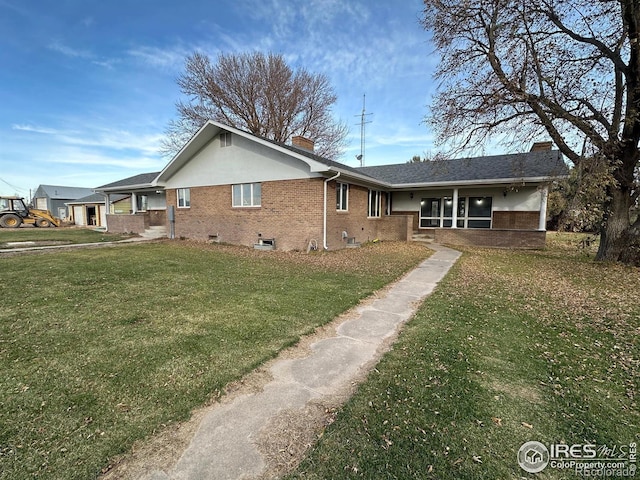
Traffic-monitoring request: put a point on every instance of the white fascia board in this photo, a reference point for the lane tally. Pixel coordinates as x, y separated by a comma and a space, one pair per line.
346, 174
197, 142
465, 183
127, 188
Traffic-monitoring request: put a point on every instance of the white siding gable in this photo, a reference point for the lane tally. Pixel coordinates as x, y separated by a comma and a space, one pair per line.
244, 161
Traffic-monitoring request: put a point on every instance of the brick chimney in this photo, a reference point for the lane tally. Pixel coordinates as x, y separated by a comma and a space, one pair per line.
536, 147
303, 143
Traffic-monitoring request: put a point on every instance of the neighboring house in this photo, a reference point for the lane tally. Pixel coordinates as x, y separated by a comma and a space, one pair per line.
92, 210
55, 197
231, 186
136, 204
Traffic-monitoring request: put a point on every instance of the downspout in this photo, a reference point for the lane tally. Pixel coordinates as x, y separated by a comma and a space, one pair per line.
324, 227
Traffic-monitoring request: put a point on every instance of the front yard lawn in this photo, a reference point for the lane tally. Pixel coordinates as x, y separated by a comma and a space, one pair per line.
101, 347
511, 347
54, 236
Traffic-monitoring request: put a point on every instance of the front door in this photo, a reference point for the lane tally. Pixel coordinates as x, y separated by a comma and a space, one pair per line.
436, 212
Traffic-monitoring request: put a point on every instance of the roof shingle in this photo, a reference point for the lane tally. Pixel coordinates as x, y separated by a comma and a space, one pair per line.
538, 164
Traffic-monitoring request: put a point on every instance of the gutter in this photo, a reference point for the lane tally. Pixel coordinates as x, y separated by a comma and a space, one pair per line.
324, 225
464, 183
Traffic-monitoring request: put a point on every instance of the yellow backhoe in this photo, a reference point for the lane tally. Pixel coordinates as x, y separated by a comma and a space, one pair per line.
14, 212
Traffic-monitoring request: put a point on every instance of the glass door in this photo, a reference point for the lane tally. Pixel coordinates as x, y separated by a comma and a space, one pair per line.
430, 212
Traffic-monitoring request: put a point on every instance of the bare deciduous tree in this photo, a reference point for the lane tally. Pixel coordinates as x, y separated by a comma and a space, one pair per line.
260, 94
569, 69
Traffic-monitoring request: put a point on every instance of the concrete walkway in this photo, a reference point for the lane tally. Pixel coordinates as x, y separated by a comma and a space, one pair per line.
225, 445
143, 237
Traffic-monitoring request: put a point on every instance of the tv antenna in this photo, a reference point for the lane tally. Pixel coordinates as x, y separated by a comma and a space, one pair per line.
363, 121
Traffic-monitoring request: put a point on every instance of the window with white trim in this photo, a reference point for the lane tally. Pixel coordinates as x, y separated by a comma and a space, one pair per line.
472, 212
478, 212
184, 198
375, 200
247, 195
342, 196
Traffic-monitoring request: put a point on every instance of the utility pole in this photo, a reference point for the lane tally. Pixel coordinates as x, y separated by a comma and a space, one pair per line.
362, 123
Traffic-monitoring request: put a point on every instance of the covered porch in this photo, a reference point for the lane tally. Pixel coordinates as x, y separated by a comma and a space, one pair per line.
495, 216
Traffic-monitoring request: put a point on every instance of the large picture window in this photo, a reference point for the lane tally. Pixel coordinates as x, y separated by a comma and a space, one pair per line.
184, 198
479, 212
342, 196
247, 195
472, 212
374, 203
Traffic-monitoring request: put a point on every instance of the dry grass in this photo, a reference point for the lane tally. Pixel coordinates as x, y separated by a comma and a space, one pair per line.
513, 346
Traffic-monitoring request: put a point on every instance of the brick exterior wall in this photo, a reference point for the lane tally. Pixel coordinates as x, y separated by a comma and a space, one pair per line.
484, 237
291, 212
157, 217
356, 223
518, 220
137, 223
415, 218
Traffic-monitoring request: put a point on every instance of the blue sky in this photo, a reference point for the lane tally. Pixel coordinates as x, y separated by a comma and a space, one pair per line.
87, 88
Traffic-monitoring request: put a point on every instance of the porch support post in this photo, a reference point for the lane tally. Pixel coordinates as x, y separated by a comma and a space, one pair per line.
454, 213
542, 222
134, 203
107, 206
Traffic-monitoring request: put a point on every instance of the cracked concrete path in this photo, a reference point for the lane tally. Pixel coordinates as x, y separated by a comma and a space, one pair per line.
225, 445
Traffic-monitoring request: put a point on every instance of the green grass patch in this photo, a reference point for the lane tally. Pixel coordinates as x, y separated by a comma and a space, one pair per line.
101, 347
54, 236
511, 347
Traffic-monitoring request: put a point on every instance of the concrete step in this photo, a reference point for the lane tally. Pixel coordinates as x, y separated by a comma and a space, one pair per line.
423, 237
156, 231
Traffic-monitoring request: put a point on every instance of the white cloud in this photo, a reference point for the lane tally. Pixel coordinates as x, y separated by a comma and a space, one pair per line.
36, 129
14, 6
99, 138
171, 58
69, 51
72, 52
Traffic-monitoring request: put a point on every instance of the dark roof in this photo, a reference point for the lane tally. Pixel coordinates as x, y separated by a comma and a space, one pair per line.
96, 198
135, 181
517, 166
313, 156
326, 161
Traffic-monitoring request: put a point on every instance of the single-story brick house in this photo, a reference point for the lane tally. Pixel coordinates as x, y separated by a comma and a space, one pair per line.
231, 186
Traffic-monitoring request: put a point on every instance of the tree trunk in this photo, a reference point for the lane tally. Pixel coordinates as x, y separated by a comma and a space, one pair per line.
619, 242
